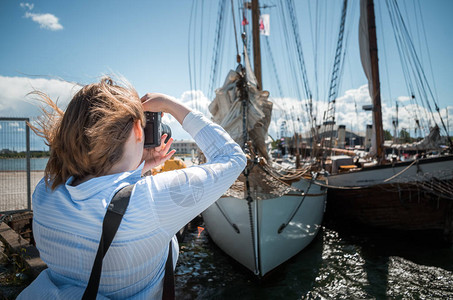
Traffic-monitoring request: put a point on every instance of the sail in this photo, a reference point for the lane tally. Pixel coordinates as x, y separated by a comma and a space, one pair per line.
226, 109
364, 45
365, 58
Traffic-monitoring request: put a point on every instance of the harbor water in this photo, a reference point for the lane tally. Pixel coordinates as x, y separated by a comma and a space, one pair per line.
20, 164
341, 263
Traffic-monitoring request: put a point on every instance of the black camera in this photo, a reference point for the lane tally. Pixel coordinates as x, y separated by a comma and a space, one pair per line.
154, 129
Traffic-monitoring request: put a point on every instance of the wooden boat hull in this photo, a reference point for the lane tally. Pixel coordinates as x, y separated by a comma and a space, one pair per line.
257, 243
420, 198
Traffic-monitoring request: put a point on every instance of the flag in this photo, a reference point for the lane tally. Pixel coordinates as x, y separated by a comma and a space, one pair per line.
200, 230
264, 25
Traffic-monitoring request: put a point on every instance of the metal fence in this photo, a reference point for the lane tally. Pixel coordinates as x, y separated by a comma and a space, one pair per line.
15, 172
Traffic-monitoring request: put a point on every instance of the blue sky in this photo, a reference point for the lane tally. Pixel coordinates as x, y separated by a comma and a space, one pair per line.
50, 45
143, 40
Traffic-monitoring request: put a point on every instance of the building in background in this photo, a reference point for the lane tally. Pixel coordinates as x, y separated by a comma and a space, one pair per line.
184, 147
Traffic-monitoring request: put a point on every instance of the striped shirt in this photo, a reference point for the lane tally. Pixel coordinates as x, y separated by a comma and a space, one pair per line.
67, 222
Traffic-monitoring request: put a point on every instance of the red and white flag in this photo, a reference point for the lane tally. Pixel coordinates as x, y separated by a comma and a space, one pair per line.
264, 24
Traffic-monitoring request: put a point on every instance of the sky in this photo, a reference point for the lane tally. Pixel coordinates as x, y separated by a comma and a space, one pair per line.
166, 46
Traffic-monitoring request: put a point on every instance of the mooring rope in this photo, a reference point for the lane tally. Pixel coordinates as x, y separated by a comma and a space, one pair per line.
364, 186
235, 227
437, 186
283, 226
402, 171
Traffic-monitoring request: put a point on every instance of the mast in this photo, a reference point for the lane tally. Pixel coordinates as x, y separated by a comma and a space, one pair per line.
256, 43
376, 92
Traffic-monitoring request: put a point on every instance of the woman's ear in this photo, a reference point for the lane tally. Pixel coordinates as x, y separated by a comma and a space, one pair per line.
138, 130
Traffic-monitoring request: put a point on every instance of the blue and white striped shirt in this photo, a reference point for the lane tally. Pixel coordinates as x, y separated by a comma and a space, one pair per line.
67, 222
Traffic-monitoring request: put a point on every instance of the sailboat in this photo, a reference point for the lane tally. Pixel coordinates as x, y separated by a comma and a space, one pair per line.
270, 213
414, 195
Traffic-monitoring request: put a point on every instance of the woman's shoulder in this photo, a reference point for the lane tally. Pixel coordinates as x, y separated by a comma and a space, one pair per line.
43, 186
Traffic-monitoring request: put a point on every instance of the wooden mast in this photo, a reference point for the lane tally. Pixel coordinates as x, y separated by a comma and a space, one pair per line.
376, 97
256, 43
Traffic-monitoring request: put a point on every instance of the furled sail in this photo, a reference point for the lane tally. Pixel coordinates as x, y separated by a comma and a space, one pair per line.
226, 109
365, 58
432, 141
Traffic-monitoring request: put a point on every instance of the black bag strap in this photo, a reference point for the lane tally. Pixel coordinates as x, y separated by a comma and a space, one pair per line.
112, 220
169, 279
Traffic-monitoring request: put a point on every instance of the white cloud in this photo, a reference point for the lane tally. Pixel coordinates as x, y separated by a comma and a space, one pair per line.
14, 101
349, 112
27, 5
46, 21
197, 101
403, 98
293, 113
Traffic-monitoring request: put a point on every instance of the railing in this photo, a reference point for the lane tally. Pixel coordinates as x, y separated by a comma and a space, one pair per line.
15, 171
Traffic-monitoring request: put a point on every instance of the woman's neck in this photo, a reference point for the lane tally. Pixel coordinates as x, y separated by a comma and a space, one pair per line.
78, 181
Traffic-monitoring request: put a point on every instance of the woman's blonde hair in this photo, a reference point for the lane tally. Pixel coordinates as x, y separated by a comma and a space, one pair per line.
88, 138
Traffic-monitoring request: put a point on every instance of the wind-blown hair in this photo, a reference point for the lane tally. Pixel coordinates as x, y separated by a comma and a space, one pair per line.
88, 138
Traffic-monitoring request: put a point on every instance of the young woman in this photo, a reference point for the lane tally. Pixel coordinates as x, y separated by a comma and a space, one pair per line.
96, 149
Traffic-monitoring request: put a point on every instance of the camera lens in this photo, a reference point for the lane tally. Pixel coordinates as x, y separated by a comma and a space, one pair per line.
166, 130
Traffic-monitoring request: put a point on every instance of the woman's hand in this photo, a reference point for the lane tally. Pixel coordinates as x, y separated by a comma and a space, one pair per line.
156, 102
154, 157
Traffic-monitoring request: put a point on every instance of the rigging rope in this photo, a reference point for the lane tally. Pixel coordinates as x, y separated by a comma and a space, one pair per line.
315, 41
188, 48
389, 90
271, 58
201, 54
243, 96
217, 47
290, 64
421, 80
194, 55
309, 97
329, 115
409, 57
238, 57
298, 51
405, 62
427, 48
295, 28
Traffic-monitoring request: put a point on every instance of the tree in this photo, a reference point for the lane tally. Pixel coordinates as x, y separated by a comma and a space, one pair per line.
387, 135
405, 136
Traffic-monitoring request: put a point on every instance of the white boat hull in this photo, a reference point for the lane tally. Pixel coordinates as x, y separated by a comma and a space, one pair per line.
259, 245
440, 168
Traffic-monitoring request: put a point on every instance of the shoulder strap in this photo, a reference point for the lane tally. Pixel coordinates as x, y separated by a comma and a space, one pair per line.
112, 220
169, 279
